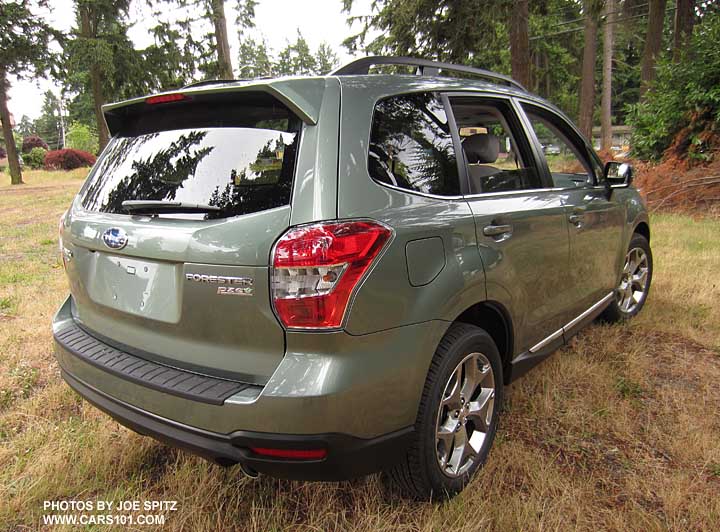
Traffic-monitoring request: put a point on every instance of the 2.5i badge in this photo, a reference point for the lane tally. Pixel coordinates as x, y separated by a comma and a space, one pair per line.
228, 286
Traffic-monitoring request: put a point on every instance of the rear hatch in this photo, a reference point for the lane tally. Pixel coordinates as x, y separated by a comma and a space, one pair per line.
168, 241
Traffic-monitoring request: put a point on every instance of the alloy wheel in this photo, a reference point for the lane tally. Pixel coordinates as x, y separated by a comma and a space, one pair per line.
634, 280
465, 414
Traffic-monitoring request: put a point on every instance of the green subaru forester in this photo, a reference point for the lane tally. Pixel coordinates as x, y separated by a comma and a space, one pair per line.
324, 277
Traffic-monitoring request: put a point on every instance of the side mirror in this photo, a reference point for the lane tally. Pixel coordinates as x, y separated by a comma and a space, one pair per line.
618, 174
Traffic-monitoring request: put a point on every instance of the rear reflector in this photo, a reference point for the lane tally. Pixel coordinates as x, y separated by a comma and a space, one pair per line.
166, 98
317, 267
297, 454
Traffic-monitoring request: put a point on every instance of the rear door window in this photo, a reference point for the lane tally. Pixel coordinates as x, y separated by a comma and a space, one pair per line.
411, 145
237, 157
496, 152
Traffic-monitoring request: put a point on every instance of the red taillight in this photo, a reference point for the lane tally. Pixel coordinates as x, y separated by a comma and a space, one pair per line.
317, 267
296, 454
166, 98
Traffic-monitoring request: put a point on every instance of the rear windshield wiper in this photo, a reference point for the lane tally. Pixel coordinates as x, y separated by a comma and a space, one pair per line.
155, 206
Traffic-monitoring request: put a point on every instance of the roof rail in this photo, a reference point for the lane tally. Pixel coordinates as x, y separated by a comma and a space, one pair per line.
425, 67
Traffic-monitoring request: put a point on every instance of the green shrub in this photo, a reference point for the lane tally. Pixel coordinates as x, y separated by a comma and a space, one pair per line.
35, 159
81, 137
683, 103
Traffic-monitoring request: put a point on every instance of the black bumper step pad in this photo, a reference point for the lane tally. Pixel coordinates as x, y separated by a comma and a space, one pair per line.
174, 381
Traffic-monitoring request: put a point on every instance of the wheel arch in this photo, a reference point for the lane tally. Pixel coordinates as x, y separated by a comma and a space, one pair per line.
494, 318
643, 228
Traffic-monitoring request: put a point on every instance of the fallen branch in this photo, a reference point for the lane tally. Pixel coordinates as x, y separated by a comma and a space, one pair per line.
682, 183
688, 185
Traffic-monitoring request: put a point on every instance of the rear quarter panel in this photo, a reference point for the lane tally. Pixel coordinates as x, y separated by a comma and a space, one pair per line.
387, 298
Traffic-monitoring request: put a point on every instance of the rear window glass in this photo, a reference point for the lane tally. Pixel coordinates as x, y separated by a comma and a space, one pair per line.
239, 158
411, 145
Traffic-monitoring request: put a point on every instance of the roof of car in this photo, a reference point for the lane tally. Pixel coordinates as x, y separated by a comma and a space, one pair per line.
303, 94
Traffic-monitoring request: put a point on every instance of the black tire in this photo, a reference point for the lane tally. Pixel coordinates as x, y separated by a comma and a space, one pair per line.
614, 313
419, 474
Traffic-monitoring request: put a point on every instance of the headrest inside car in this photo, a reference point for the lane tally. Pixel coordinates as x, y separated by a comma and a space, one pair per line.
482, 148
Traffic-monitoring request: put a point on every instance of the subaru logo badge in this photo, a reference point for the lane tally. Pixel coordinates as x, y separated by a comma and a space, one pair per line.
115, 238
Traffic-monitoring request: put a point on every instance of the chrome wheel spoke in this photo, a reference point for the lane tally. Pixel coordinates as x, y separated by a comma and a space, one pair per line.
468, 452
455, 461
471, 380
640, 277
453, 390
446, 436
447, 430
480, 411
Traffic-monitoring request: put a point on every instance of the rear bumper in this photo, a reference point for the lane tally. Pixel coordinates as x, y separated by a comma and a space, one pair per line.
347, 457
354, 396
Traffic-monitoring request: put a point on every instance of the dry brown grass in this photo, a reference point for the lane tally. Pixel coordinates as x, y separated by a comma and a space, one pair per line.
618, 431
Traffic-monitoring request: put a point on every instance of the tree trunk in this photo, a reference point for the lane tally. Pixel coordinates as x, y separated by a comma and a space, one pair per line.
520, 42
653, 41
12, 155
221, 36
95, 83
684, 22
587, 83
606, 103
98, 101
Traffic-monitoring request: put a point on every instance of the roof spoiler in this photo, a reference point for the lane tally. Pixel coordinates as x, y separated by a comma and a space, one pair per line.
303, 96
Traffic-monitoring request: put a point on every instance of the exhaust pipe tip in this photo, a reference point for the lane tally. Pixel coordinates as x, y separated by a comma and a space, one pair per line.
248, 471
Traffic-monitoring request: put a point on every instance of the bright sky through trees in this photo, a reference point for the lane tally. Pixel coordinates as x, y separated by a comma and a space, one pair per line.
276, 20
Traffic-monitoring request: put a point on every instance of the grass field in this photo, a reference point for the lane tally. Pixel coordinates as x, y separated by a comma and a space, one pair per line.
619, 431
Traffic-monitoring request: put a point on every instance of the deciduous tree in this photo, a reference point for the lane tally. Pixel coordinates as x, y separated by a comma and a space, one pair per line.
24, 39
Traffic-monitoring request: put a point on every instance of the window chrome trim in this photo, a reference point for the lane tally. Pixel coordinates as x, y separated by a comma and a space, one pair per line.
415, 192
481, 195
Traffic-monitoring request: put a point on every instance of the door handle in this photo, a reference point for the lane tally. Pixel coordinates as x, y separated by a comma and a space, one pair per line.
504, 231
576, 219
